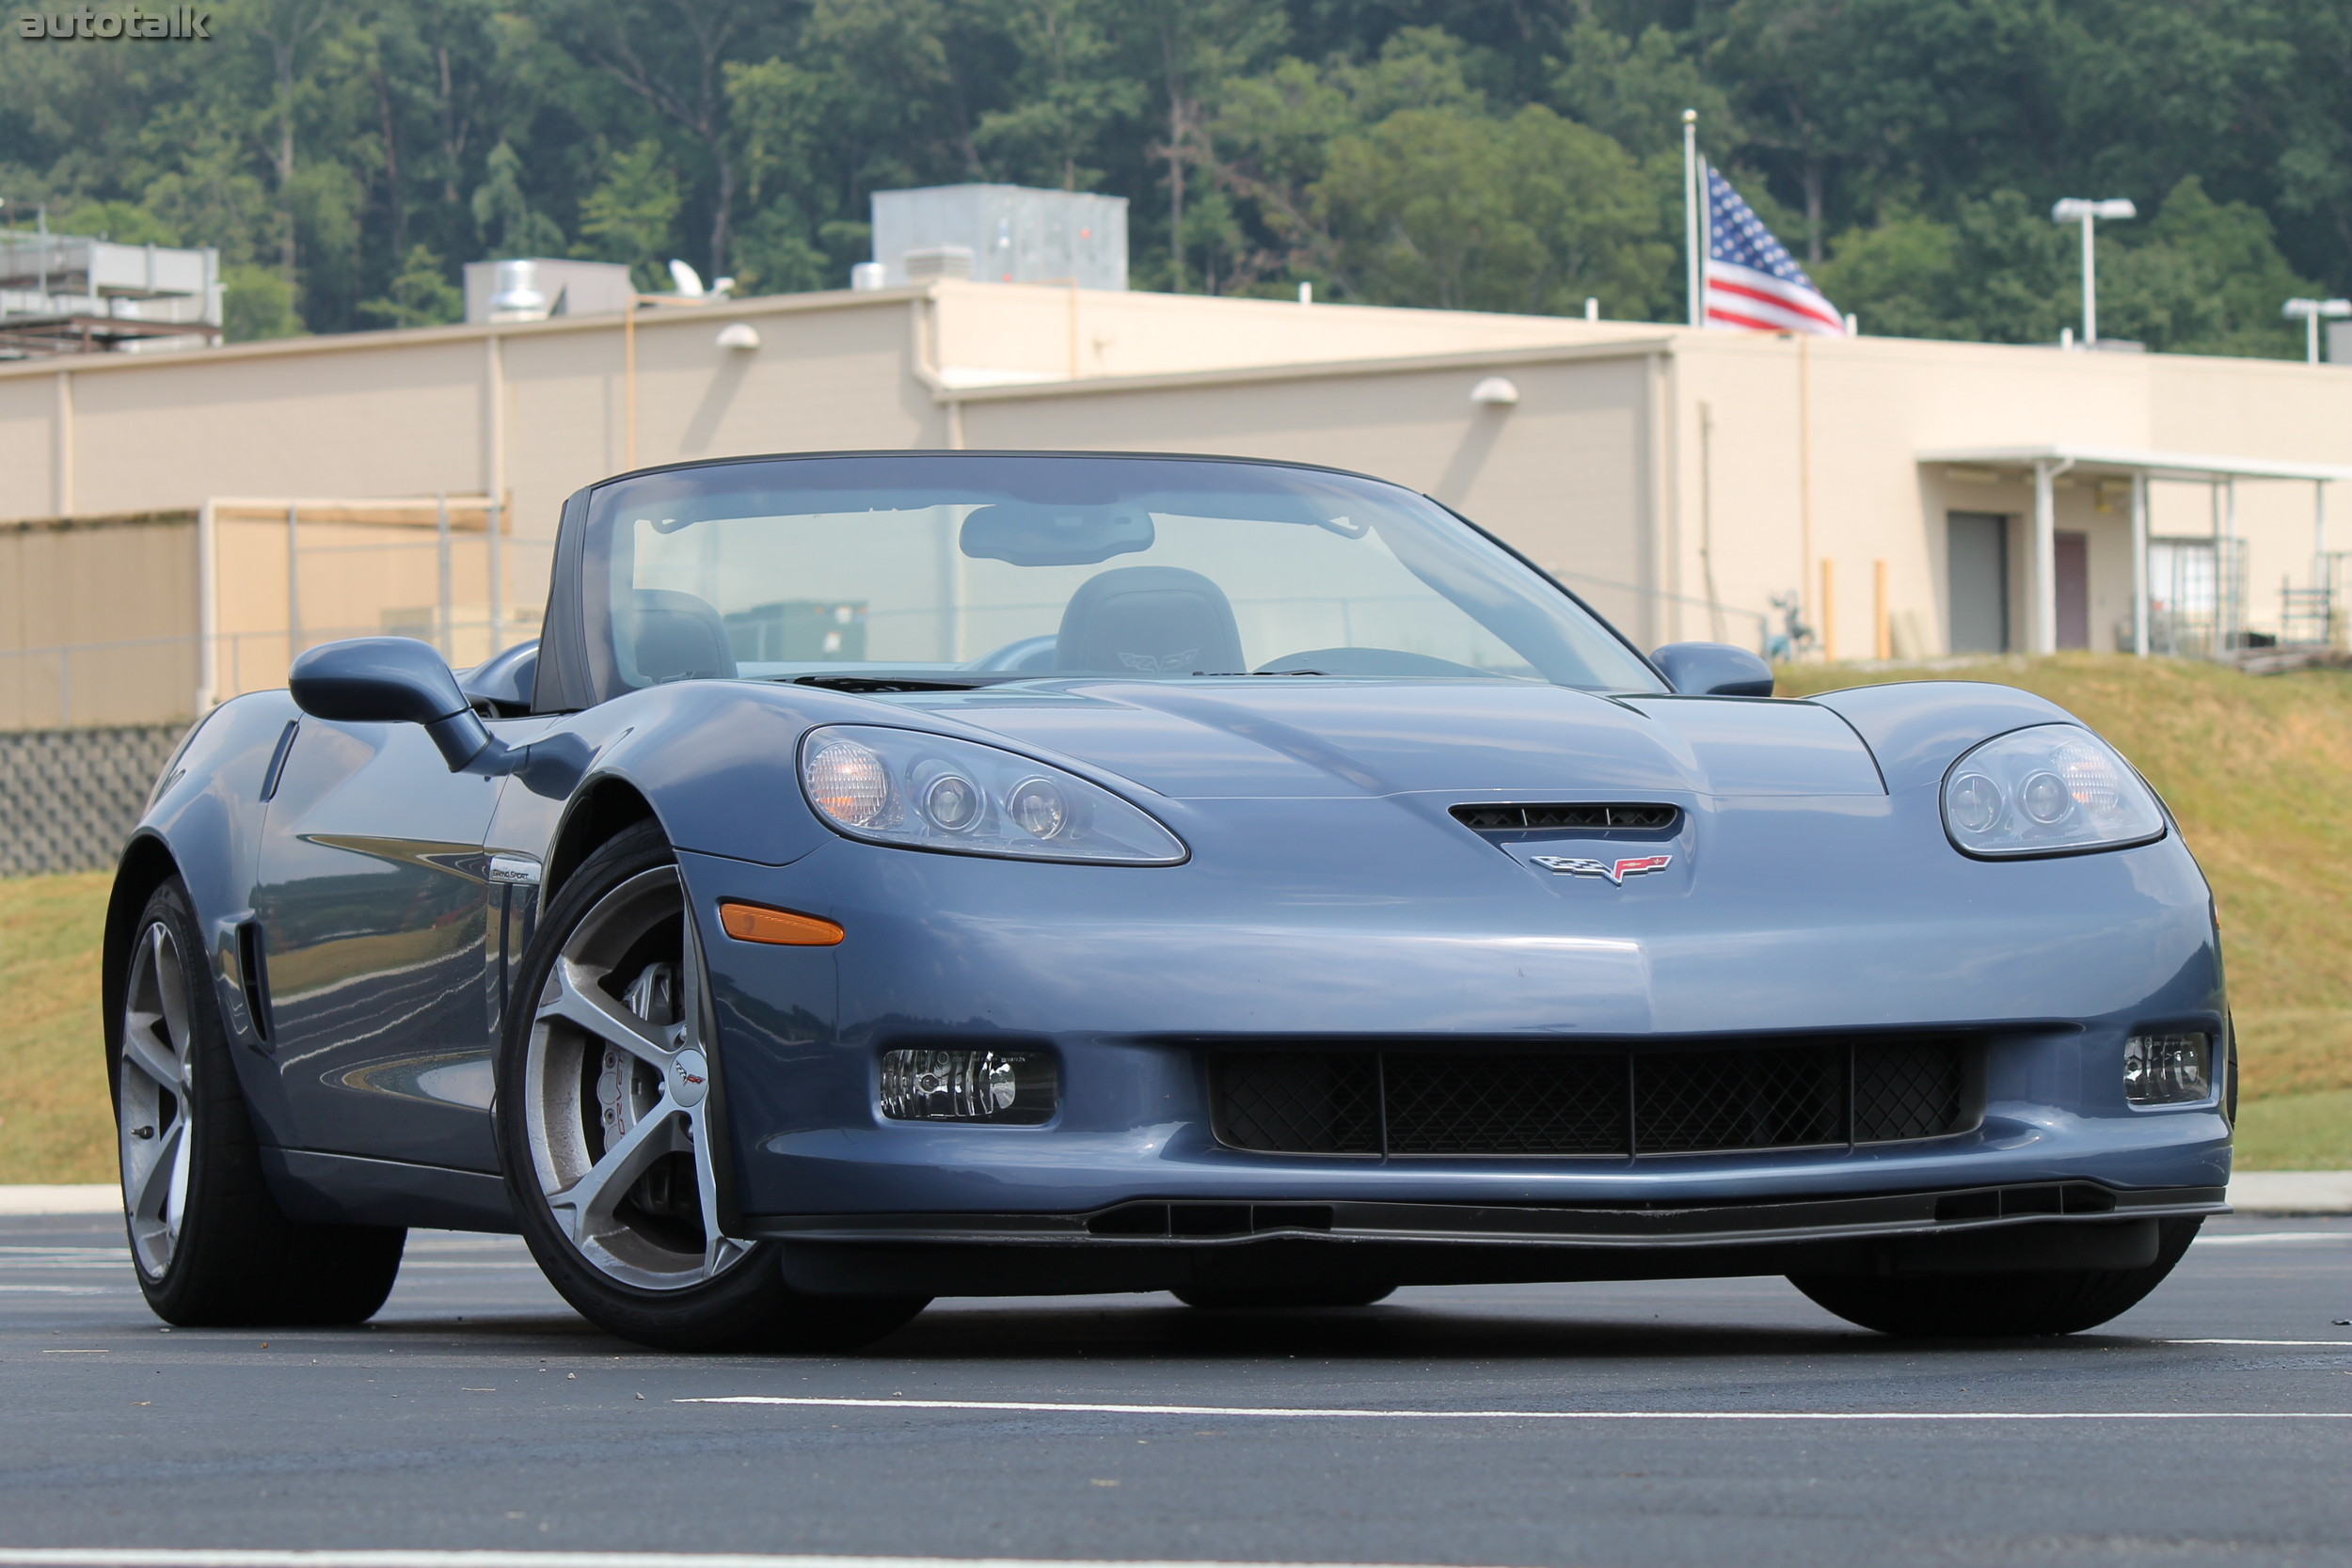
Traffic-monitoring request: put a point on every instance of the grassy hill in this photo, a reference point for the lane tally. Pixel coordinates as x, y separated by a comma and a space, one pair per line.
2259, 771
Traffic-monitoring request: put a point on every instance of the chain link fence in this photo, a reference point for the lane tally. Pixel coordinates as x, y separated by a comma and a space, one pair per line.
69, 798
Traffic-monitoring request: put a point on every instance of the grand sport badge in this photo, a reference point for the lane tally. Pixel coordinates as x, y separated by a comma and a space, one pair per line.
1616, 871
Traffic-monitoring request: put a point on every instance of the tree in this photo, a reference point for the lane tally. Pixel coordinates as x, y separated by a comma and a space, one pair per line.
420, 295
508, 223
630, 216
1531, 214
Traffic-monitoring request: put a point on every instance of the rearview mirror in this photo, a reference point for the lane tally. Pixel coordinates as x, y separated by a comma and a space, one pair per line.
1037, 535
391, 680
1713, 669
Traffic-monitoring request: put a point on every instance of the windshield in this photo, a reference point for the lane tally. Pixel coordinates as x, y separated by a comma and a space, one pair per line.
960, 569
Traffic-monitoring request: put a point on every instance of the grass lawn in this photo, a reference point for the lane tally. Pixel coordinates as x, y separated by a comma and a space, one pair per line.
2259, 771
54, 1125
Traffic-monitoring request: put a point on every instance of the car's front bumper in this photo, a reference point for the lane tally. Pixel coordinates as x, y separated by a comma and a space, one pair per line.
1134, 979
1151, 1246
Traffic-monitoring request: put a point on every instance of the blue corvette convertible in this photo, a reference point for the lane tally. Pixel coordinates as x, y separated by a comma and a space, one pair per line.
915, 874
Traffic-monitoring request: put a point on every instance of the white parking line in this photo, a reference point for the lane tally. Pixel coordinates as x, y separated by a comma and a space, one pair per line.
102, 1556
1032, 1407
2257, 1238
2338, 1344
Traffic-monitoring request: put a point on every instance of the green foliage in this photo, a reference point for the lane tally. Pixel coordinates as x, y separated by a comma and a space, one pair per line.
504, 216
257, 303
631, 215
1531, 214
421, 296
1907, 150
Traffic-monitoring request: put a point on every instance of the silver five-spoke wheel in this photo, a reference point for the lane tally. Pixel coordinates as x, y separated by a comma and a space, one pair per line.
616, 1079
156, 1103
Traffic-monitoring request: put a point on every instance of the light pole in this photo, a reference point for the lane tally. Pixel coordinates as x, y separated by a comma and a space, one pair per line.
2309, 311
2075, 209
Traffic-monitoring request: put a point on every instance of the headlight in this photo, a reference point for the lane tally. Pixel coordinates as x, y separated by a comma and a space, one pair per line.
930, 792
2052, 789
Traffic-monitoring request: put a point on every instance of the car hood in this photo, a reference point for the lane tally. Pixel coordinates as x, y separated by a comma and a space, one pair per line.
1308, 738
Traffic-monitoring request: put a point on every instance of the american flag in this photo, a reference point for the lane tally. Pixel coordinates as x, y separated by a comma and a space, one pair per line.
1752, 283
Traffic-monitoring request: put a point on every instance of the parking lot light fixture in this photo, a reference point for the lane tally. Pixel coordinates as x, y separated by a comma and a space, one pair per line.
2310, 312
2076, 209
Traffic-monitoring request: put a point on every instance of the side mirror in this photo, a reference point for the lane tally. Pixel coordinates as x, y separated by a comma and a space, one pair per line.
1713, 669
392, 680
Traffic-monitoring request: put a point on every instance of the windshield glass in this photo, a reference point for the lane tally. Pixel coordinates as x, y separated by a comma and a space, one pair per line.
971, 569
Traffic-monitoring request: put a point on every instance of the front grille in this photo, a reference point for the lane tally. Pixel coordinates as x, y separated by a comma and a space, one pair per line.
1621, 1103
1582, 819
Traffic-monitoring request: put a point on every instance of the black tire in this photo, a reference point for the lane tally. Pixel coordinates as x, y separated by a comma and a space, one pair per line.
650, 1267
1998, 1305
210, 1245
1276, 1298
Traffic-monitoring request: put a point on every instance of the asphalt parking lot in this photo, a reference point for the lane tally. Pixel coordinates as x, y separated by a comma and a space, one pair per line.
1525, 1424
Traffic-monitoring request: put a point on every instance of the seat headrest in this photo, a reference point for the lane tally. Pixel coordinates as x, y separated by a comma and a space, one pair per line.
1148, 621
672, 636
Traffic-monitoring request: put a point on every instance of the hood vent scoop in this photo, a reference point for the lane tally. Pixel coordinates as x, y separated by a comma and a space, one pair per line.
1567, 819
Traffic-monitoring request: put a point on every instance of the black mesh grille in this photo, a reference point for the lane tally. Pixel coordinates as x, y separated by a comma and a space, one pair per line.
1591, 1102
1739, 1100
1505, 1104
1583, 818
1906, 1089
1301, 1102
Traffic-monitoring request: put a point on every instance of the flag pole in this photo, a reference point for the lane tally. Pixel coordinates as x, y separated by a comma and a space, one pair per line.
1690, 198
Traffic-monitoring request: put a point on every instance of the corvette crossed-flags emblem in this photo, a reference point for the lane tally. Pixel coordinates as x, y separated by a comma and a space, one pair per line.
1616, 871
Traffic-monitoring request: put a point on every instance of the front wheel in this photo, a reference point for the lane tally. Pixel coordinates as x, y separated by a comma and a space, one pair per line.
209, 1244
1998, 1305
609, 1132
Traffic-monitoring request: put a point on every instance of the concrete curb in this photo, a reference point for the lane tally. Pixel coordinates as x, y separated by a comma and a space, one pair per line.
2253, 1191
2292, 1192
100, 1197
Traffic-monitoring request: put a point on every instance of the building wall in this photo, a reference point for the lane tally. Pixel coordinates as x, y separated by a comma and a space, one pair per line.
1657, 468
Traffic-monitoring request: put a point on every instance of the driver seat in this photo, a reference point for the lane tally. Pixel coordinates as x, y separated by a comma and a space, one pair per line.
1148, 621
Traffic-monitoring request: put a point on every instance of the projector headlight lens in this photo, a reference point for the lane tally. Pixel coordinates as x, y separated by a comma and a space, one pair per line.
2049, 790
1038, 808
930, 792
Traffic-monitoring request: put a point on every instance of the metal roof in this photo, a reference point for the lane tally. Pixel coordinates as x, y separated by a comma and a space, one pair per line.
2156, 465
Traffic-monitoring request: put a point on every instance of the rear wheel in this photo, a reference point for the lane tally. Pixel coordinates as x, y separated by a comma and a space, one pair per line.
1998, 1305
210, 1246
610, 1134
1274, 1298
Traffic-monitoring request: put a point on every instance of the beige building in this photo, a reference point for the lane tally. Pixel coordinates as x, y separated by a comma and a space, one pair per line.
1908, 498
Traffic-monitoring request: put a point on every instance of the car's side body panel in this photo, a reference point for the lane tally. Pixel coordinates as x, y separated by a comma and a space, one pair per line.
372, 895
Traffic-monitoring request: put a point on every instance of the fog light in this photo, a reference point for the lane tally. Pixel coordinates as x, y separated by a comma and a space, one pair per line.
2167, 1069
1017, 1087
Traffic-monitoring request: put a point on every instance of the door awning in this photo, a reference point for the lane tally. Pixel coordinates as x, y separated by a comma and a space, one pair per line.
2195, 466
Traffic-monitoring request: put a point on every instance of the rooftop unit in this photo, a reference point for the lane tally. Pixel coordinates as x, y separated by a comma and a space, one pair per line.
1000, 234
536, 287
63, 293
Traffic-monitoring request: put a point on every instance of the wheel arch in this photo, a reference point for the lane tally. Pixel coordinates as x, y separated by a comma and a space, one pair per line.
604, 808
146, 865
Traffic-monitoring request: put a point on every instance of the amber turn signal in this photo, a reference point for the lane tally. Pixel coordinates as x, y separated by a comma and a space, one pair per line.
758, 922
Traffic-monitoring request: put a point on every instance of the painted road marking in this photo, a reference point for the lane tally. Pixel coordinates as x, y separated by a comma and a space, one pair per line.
2255, 1238
2338, 1344
1034, 1407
